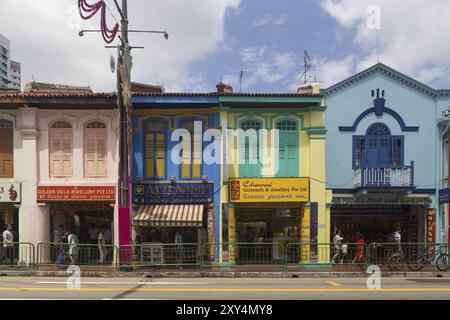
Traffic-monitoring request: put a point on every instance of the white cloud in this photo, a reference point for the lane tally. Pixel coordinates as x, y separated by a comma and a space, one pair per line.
47, 48
263, 65
410, 39
330, 72
270, 20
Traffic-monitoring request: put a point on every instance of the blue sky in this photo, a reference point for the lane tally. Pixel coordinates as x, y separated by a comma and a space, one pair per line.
210, 39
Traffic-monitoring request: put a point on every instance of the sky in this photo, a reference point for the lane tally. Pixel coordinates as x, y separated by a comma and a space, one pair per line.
214, 40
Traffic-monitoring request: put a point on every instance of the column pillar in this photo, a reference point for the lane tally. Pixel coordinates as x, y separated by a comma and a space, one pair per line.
305, 236
34, 219
232, 235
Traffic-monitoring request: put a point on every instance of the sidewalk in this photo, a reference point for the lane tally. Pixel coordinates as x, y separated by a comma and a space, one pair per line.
219, 273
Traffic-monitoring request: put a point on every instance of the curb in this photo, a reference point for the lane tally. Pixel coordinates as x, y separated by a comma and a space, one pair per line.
226, 274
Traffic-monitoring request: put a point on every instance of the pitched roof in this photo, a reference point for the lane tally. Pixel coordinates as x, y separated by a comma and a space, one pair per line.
389, 72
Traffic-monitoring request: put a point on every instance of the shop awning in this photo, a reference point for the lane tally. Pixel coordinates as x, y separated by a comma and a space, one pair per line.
180, 215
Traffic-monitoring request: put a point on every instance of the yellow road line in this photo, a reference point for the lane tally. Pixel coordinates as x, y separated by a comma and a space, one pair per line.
227, 289
334, 284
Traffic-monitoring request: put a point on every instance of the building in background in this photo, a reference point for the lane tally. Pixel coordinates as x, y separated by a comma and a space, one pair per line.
10, 77
384, 156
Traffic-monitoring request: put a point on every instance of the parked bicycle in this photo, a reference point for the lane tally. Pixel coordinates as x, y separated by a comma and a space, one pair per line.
383, 255
430, 254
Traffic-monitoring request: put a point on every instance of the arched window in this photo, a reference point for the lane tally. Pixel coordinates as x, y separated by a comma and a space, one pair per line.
61, 149
249, 157
192, 163
288, 148
378, 148
95, 153
6, 149
155, 148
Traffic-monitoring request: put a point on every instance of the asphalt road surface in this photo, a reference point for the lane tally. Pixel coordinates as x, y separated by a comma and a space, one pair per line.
222, 288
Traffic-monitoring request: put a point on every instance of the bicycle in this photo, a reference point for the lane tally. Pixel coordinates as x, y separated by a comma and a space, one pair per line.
416, 262
393, 260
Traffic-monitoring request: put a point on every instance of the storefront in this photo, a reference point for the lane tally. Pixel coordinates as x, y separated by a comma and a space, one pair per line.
161, 210
269, 211
377, 223
80, 209
444, 200
10, 196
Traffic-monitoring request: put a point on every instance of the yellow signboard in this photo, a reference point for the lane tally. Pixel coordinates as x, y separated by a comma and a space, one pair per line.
269, 190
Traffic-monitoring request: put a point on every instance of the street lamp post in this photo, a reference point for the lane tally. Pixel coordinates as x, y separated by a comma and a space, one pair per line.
124, 65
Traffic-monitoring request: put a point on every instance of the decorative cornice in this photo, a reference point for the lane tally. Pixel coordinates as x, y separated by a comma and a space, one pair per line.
29, 133
390, 73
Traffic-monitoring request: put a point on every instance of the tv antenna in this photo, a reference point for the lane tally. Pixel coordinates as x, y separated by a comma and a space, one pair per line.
307, 66
241, 76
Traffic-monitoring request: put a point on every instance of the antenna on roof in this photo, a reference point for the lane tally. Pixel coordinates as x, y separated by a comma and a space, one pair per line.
241, 76
307, 66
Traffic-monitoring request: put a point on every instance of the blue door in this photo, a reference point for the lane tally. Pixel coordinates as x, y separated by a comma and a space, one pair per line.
378, 146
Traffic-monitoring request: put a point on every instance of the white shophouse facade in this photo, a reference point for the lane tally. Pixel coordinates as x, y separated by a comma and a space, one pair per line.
61, 143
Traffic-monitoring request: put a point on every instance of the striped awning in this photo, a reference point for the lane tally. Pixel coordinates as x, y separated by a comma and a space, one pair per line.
174, 215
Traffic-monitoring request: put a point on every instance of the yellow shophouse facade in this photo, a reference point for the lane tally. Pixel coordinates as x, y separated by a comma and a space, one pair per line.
273, 191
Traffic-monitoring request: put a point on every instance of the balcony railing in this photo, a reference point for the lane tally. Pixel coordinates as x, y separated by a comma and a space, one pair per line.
385, 177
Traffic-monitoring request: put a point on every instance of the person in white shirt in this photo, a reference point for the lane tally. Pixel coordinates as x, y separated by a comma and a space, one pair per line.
179, 247
8, 244
337, 245
73, 246
101, 246
398, 239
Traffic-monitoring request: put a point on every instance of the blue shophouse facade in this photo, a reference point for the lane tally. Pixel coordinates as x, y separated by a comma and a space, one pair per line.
172, 190
383, 151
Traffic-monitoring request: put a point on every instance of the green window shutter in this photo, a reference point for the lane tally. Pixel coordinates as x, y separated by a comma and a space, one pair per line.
288, 149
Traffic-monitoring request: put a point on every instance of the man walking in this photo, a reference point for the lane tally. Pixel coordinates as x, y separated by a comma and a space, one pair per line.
8, 245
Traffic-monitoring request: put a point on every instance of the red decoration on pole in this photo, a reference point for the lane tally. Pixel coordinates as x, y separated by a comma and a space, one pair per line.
87, 11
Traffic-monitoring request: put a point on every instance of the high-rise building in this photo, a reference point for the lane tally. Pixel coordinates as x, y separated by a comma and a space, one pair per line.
9, 69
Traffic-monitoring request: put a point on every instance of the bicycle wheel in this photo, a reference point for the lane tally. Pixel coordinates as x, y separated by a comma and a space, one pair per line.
442, 262
415, 262
394, 263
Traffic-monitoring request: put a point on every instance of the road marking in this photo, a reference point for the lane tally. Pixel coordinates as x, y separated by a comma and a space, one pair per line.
118, 282
334, 284
228, 289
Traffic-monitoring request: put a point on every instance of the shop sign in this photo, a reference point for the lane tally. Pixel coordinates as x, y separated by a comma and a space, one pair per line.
444, 196
173, 193
75, 193
431, 226
269, 190
10, 192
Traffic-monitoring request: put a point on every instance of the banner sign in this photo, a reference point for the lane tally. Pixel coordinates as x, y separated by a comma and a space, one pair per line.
431, 226
75, 193
173, 193
10, 192
269, 190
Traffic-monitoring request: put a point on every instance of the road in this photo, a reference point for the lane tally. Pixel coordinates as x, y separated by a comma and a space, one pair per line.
223, 288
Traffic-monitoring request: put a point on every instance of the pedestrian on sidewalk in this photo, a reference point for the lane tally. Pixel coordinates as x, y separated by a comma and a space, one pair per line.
8, 245
359, 248
337, 246
101, 246
73, 246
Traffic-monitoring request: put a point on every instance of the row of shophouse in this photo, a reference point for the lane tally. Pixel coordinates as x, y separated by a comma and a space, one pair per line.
368, 155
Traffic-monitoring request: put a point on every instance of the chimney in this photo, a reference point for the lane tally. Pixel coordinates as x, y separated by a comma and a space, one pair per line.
224, 88
313, 88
